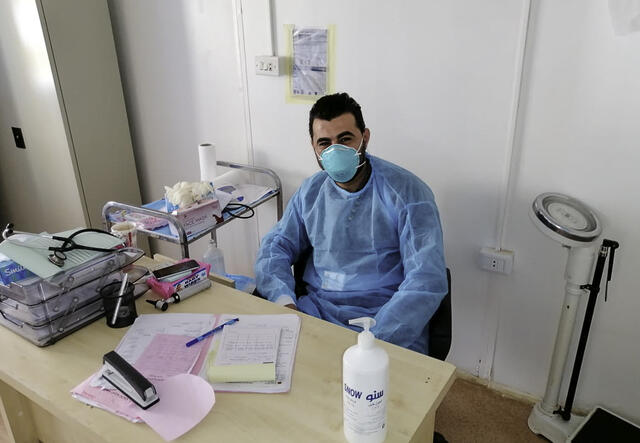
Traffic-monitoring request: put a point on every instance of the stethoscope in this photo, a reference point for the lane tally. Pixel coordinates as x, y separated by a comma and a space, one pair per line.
58, 253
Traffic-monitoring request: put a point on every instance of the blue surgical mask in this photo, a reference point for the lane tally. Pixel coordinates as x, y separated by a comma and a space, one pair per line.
341, 162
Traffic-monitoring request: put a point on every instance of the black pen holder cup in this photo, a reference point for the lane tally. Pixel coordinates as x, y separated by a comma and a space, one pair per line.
126, 311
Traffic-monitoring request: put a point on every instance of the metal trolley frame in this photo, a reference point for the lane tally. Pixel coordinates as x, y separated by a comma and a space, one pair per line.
182, 239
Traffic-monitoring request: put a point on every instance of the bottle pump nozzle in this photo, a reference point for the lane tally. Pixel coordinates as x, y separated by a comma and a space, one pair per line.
366, 337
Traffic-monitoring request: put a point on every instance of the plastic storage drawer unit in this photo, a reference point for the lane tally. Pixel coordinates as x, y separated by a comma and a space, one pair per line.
44, 310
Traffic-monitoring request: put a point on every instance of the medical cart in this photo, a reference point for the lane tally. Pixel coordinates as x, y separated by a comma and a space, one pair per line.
182, 238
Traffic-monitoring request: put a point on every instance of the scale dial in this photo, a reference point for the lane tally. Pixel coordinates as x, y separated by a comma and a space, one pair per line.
565, 219
567, 216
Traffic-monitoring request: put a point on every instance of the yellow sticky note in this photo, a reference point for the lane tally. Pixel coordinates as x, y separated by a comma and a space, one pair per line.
244, 354
241, 373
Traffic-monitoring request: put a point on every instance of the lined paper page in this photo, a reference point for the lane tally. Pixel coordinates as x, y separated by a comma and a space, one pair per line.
243, 346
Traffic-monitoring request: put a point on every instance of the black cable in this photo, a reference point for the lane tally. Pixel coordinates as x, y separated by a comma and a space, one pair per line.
68, 241
232, 207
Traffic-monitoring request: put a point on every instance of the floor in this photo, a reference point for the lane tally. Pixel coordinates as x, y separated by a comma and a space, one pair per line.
473, 413
470, 413
4, 438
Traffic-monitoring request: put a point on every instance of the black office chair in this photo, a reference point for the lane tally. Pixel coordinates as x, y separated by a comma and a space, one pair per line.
439, 326
440, 336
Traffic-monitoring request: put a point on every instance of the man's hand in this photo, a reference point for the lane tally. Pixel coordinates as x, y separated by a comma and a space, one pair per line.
291, 306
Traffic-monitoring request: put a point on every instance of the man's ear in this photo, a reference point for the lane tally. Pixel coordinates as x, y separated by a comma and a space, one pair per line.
366, 135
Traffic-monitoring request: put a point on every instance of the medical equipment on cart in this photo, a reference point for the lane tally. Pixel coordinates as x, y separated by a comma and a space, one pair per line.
114, 211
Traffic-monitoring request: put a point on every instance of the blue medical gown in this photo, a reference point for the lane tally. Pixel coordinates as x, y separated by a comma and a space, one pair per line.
376, 252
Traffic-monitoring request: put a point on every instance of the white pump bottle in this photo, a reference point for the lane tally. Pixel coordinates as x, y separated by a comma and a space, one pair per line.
365, 376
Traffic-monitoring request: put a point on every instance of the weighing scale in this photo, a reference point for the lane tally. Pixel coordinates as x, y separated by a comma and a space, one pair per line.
576, 227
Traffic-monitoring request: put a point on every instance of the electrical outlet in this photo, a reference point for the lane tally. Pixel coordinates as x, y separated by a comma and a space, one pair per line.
267, 65
496, 260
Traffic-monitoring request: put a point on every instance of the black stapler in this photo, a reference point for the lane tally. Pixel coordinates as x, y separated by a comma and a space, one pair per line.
128, 380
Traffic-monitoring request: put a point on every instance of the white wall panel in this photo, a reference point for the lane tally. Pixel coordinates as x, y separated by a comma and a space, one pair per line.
579, 136
435, 82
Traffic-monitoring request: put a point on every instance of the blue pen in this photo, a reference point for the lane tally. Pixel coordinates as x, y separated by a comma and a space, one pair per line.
213, 331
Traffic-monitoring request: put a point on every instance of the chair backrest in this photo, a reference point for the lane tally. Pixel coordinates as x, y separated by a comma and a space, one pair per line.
440, 326
298, 272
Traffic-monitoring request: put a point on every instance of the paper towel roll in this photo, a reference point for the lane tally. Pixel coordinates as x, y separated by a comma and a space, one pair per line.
207, 157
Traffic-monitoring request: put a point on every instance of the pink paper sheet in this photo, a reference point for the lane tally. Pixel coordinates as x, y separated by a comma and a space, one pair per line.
112, 401
167, 355
185, 400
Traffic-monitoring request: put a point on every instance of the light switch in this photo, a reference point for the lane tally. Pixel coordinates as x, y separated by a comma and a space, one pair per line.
19, 139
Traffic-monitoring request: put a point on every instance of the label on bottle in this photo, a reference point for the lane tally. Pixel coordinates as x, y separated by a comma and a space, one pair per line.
364, 402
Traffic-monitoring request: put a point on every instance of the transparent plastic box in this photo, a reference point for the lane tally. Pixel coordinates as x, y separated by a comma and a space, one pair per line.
53, 331
44, 310
62, 304
37, 290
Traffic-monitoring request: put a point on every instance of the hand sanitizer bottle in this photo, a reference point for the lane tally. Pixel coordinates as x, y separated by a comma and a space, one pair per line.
214, 257
365, 376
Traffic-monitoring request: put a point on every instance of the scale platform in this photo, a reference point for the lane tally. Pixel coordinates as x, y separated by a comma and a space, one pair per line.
603, 426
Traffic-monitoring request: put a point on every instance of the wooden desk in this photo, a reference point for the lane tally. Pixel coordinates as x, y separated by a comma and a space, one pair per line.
36, 404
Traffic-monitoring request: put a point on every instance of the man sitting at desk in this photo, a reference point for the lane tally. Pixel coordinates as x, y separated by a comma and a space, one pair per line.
371, 232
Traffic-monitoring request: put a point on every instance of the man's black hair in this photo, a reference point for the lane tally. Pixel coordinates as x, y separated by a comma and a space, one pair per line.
334, 105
